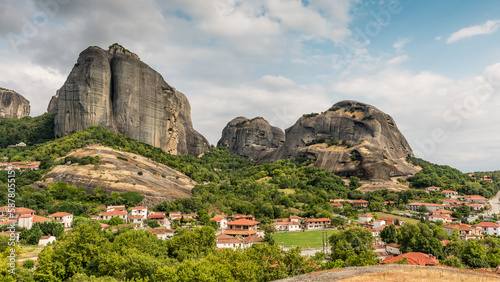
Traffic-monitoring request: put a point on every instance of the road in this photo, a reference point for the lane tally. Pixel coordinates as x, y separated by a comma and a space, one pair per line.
495, 205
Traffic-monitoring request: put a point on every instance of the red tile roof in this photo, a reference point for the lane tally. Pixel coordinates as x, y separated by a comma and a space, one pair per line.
46, 237
361, 202
317, 220
139, 208
243, 222
115, 212
445, 242
239, 232
253, 239
335, 205
157, 216
449, 191
476, 197
218, 219
487, 224
135, 216
161, 231
37, 218
414, 258
59, 214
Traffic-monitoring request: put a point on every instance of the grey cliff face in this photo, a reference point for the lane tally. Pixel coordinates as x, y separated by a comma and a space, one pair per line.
254, 139
350, 139
116, 90
372, 146
13, 105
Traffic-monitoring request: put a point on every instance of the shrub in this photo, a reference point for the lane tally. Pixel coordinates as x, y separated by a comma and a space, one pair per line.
122, 158
140, 173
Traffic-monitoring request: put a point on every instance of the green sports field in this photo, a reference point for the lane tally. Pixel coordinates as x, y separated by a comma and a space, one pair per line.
308, 239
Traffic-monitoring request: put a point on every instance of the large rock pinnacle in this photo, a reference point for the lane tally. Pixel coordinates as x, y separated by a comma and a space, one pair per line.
115, 89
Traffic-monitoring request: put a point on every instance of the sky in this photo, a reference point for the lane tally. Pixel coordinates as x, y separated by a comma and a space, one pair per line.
434, 66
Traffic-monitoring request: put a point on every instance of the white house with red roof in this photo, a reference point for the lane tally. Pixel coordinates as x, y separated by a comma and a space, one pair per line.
221, 221
449, 193
379, 223
107, 215
162, 234
432, 189
444, 218
138, 210
336, 205
44, 240
66, 219
225, 241
175, 215
465, 231
136, 220
316, 223
489, 228
360, 203
475, 207
27, 220
475, 199
116, 208
242, 227
367, 217
430, 206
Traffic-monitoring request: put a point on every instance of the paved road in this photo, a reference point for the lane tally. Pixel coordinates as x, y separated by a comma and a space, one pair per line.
495, 205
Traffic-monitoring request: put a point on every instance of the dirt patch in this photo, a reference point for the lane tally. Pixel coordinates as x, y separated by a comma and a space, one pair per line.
394, 272
393, 185
155, 181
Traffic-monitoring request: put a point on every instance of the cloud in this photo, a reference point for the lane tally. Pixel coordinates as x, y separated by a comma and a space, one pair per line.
448, 121
486, 28
400, 44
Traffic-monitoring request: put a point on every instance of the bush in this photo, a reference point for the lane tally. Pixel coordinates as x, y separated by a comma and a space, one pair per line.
122, 158
140, 173
29, 264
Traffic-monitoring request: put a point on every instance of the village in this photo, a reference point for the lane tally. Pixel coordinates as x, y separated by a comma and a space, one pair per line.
242, 231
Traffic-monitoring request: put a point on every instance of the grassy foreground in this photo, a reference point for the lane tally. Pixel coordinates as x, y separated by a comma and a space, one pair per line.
307, 239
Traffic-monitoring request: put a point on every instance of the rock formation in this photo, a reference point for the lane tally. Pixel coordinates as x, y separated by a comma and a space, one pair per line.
13, 105
115, 89
350, 139
254, 139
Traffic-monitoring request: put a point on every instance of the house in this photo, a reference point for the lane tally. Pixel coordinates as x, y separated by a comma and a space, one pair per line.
360, 204
392, 221
287, 225
162, 234
445, 242
221, 221
489, 228
367, 217
316, 223
432, 189
107, 215
465, 231
27, 220
445, 219
294, 218
430, 207
136, 220
95, 217
161, 218
242, 227
393, 249
66, 219
487, 178
475, 199
379, 223
413, 258
44, 240
390, 203
104, 226
380, 252
142, 211
475, 207
115, 208
452, 202
224, 241
442, 212
375, 232
192, 216
11, 234
175, 215
449, 193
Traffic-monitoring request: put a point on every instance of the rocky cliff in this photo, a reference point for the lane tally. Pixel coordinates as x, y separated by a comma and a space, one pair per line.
251, 138
13, 105
115, 89
349, 139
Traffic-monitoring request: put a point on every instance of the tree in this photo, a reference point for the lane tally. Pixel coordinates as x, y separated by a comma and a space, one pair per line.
115, 221
389, 234
28, 264
423, 209
354, 246
375, 206
189, 244
268, 238
474, 254
153, 223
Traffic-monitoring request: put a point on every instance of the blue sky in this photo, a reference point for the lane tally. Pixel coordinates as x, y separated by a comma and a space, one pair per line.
432, 65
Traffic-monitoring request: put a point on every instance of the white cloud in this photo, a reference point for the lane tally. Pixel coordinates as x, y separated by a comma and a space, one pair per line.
486, 28
400, 44
428, 104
